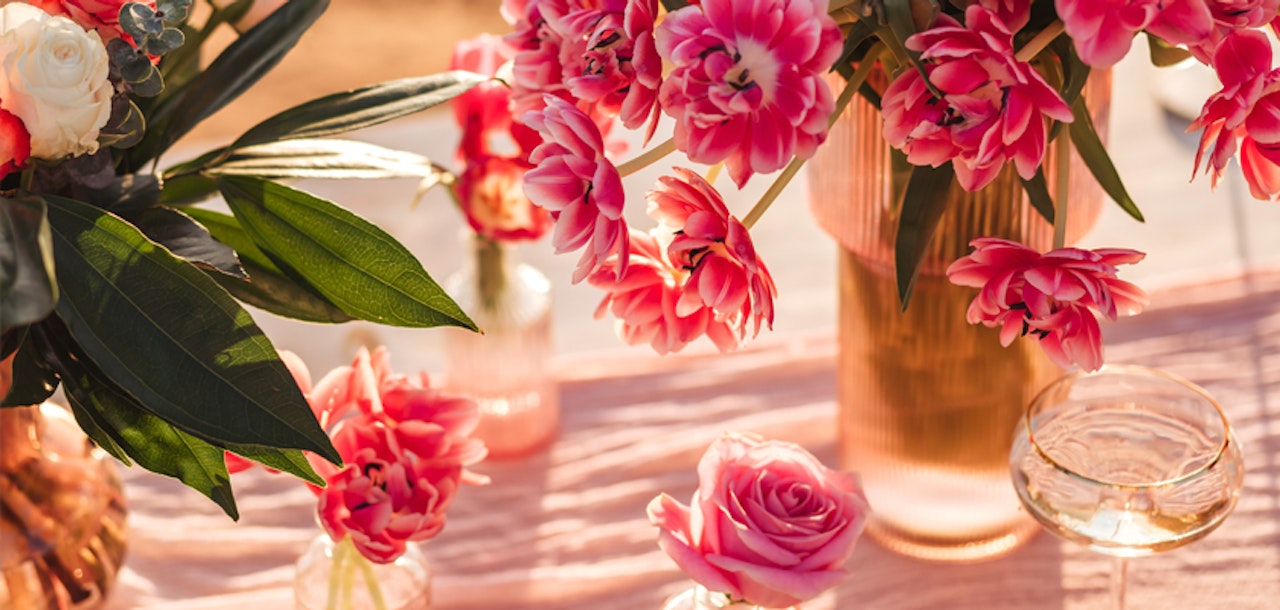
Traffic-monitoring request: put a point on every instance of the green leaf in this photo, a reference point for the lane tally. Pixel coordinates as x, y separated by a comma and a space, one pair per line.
1038, 194
134, 431
187, 240
33, 380
347, 259
27, 288
860, 32
364, 107
268, 287
170, 337
188, 189
1164, 54
126, 129
1095, 157
291, 461
922, 206
328, 158
238, 67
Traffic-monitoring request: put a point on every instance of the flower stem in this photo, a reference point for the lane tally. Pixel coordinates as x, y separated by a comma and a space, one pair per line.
646, 158
1042, 40
1063, 190
850, 89
371, 583
335, 573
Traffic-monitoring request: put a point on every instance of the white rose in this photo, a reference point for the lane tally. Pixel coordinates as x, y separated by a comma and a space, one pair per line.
54, 77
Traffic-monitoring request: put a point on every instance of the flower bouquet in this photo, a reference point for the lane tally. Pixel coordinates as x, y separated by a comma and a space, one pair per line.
965, 88
118, 288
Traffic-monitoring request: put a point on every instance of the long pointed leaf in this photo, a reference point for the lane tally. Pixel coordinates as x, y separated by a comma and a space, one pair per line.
131, 429
27, 288
326, 158
364, 107
347, 259
922, 208
1038, 194
33, 380
238, 67
165, 333
1097, 160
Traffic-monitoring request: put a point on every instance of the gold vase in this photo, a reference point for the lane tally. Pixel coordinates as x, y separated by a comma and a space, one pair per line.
927, 402
62, 513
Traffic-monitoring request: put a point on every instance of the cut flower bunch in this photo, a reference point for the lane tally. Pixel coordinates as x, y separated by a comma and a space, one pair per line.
115, 286
965, 87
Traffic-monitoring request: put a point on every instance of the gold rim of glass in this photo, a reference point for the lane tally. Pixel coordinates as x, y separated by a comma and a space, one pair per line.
1131, 369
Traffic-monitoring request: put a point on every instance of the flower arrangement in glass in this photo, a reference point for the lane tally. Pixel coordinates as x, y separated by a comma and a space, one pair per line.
116, 287
969, 87
405, 448
506, 370
768, 527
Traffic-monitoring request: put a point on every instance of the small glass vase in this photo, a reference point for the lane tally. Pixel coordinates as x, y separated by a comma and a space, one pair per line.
335, 576
698, 597
506, 370
62, 513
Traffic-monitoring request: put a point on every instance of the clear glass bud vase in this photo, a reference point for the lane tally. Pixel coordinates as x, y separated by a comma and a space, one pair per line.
62, 513
697, 597
506, 370
335, 576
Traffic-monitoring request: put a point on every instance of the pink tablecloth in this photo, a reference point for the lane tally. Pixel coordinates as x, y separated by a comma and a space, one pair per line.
567, 528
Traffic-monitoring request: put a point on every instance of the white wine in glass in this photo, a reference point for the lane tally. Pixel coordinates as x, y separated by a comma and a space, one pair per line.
1127, 461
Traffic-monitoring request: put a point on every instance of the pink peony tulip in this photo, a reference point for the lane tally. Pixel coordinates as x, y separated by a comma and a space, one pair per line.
483, 113
746, 84
769, 524
725, 275
1229, 16
991, 109
643, 300
1245, 112
491, 194
1103, 30
1051, 296
580, 187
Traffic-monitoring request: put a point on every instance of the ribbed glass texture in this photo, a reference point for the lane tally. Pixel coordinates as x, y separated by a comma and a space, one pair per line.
928, 402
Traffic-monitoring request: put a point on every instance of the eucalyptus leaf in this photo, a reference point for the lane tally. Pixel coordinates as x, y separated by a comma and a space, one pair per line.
1095, 157
364, 107
126, 127
170, 337
187, 240
350, 261
27, 288
239, 66
922, 206
327, 158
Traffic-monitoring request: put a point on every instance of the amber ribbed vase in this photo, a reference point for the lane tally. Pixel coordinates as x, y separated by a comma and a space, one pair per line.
928, 402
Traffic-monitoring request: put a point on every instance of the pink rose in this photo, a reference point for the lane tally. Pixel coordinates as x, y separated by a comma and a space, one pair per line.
769, 524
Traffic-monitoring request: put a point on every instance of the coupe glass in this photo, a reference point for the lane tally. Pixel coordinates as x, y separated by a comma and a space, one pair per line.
1127, 461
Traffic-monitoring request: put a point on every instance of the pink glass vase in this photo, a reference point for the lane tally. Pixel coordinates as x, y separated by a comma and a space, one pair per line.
62, 513
506, 370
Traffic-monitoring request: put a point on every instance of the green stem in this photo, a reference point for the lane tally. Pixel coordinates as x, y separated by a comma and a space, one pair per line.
1063, 190
371, 583
846, 96
646, 158
1042, 40
491, 272
340, 551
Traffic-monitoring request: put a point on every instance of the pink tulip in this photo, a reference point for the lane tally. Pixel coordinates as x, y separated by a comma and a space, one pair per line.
993, 106
725, 274
769, 524
643, 299
1245, 112
1229, 16
746, 84
102, 16
1103, 30
580, 187
1051, 296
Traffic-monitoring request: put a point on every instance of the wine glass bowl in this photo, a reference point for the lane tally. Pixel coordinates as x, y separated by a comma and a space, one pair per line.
1127, 461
